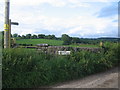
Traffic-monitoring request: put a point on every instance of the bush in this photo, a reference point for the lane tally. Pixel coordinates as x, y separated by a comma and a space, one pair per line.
25, 68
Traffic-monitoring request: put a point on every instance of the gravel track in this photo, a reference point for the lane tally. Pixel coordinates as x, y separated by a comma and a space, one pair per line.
107, 79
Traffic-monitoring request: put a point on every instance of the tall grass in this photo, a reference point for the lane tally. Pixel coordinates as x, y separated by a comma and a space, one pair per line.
29, 68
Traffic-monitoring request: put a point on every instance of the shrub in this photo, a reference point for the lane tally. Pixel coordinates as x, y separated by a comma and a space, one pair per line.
25, 68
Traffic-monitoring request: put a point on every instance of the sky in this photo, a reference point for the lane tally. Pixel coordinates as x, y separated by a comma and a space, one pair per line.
77, 18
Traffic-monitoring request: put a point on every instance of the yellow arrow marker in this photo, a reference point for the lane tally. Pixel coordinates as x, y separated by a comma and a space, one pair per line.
6, 27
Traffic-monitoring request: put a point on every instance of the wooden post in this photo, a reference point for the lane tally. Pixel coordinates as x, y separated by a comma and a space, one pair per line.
10, 33
6, 24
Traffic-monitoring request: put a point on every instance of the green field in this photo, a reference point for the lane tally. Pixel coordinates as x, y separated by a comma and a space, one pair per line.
84, 45
50, 42
39, 41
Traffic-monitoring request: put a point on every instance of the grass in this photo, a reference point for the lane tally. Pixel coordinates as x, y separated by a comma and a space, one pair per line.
51, 42
39, 41
84, 45
24, 68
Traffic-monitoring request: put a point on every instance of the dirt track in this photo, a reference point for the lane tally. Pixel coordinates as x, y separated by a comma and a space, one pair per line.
108, 79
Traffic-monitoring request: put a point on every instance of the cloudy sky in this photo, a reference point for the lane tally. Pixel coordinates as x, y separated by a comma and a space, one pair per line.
79, 18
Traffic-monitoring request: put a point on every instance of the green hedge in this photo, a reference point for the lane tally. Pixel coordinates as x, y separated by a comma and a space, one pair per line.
24, 68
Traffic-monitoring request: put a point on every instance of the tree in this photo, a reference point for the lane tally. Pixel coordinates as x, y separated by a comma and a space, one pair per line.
75, 40
66, 39
47, 37
50, 37
34, 37
53, 37
41, 36
23, 37
28, 36
19, 36
2, 33
15, 35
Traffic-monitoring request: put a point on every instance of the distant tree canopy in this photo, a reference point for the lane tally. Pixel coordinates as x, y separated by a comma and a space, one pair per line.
34, 36
28, 36
67, 40
15, 35
23, 37
75, 40
50, 37
41, 36
2, 32
19, 36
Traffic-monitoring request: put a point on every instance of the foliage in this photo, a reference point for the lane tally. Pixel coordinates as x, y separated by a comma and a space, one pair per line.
28, 36
24, 68
66, 39
112, 52
50, 37
34, 36
75, 40
23, 37
41, 36
15, 35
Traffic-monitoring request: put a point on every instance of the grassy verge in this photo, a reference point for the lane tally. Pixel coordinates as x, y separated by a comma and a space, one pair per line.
24, 68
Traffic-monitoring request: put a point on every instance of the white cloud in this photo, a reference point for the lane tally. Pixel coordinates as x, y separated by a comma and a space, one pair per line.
75, 30
56, 3
35, 21
88, 25
1, 15
95, 0
83, 25
76, 3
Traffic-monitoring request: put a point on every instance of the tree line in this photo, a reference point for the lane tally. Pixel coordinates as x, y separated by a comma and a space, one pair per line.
30, 36
67, 40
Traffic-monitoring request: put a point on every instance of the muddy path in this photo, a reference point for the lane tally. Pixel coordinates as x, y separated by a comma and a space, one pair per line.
107, 79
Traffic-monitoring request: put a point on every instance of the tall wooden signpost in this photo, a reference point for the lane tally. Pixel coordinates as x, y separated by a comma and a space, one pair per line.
6, 25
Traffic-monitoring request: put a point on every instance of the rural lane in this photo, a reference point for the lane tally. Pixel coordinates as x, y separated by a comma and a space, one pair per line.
107, 79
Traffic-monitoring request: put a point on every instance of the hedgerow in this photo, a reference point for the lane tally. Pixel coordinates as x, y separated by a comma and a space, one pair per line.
24, 68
